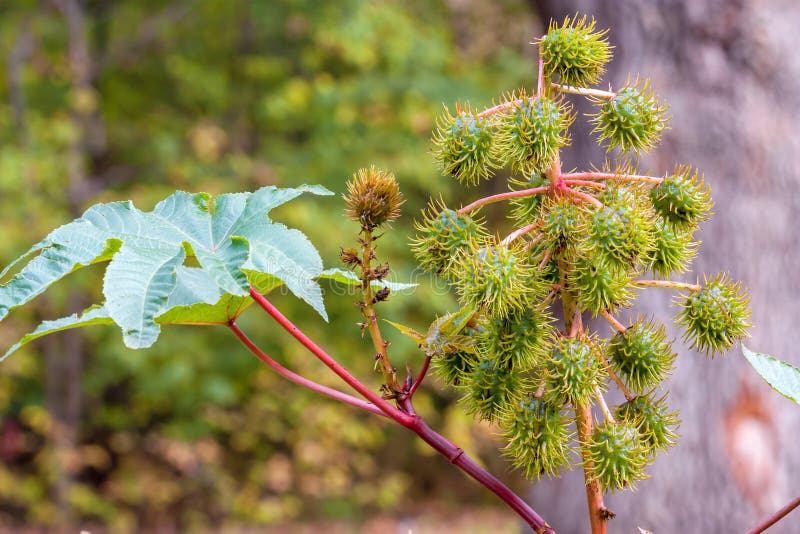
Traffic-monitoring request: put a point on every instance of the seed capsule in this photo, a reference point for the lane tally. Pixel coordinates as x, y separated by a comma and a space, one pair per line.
443, 233
616, 455
651, 418
642, 355
463, 146
632, 120
574, 52
682, 199
573, 372
537, 436
717, 316
373, 198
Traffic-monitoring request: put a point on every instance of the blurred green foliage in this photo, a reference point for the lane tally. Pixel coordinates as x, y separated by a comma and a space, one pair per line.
218, 96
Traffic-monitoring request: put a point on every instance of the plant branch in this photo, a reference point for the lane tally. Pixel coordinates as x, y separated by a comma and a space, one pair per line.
503, 106
298, 379
401, 417
617, 380
420, 377
413, 422
774, 518
503, 196
585, 197
583, 91
368, 312
585, 183
668, 284
616, 324
612, 176
603, 406
594, 492
540, 75
520, 232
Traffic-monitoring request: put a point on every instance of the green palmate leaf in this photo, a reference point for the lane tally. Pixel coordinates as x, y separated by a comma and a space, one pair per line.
781, 376
197, 300
146, 284
351, 279
90, 316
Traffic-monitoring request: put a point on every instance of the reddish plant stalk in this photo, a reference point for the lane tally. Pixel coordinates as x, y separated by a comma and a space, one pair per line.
406, 417
520, 232
301, 380
420, 378
774, 518
503, 196
613, 176
585, 183
573, 326
391, 411
583, 196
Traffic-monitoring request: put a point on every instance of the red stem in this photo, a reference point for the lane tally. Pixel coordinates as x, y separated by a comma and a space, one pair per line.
503, 196
585, 183
584, 196
399, 416
774, 518
461, 460
520, 232
414, 423
612, 176
420, 378
301, 380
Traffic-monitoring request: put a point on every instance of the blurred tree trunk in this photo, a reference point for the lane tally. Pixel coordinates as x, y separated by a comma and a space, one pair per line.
730, 73
64, 358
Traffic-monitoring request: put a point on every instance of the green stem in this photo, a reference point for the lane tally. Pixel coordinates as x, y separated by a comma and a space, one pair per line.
371, 318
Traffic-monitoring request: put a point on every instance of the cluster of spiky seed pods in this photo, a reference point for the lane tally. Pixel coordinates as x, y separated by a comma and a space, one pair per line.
584, 239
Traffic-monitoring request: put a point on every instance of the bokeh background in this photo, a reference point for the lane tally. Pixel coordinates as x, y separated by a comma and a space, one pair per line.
105, 100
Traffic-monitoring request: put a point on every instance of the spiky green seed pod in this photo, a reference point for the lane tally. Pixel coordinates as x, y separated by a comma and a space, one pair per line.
495, 277
521, 340
643, 355
682, 199
633, 119
616, 456
526, 209
491, 388
532, 131
373, 198
673, 249
575, 52
652, 419
717, 316
443, 233
573, 371
463, 146
537, 437
562, 222
454, 367
601, 285
622, 230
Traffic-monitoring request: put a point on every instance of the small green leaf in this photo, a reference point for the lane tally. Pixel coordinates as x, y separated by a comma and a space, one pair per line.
781, 376
449, 325
93, 315
350, 278
407, 331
